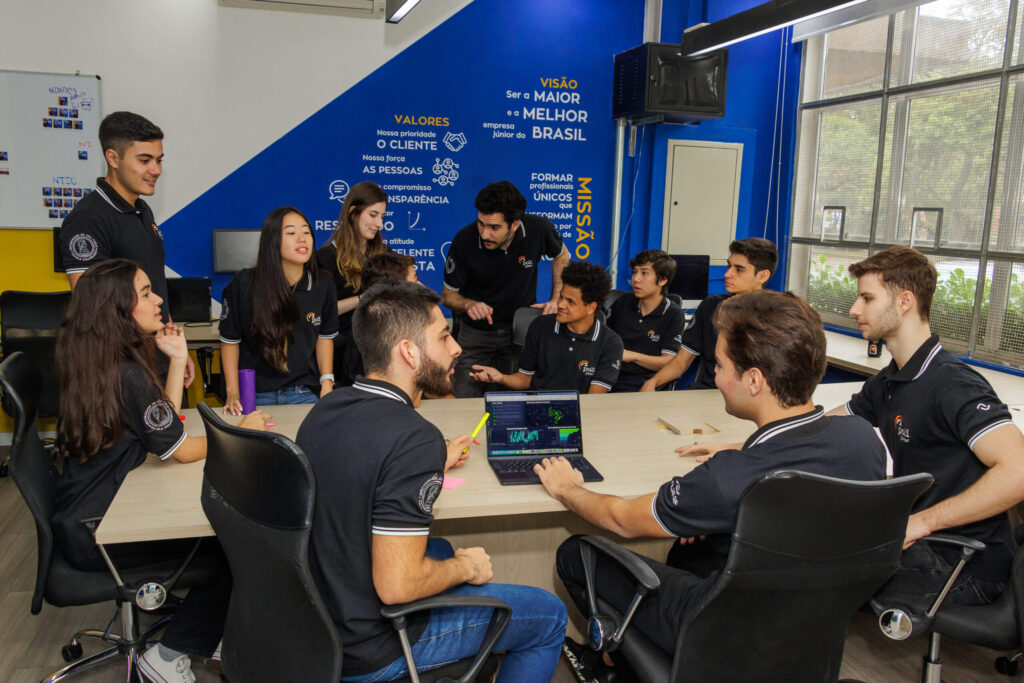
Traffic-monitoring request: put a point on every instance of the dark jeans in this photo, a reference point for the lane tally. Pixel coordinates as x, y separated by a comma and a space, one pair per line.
198, 623
481, 347
923, 571
660, 614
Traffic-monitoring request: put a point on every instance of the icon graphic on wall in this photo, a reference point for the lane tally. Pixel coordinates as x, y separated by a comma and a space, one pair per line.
445, 172
413, 222
338, 190
454, 141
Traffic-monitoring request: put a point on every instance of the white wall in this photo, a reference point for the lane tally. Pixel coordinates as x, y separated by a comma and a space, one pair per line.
222, 82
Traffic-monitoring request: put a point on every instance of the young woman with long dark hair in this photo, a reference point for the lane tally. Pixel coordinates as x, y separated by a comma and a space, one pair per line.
113, 411
280, 319
354, 241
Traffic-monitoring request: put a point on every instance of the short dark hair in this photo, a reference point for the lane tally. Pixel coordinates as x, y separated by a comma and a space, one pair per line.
118, 131
501, 197
592, 281
761, 253
780, 335
387, 267
664, 266
387, 313
903, 268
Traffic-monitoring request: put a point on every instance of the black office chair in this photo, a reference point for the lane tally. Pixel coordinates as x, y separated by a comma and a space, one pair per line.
998, 625
30, 322
806, 553
57, 582
258, 493
675, 298
612, 297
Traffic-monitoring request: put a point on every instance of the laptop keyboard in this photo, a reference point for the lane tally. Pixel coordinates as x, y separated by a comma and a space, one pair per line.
526, 464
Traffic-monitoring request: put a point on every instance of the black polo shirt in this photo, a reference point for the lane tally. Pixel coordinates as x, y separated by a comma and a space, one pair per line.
503, 279
930, 413
103, 226
705, 501
85, 490
658, 333
555, 358
700, 337
318, 308
380, 481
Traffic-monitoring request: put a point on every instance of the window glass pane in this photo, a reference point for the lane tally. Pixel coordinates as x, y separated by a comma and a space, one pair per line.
953, 304
838, 159
1007, 233
937, 163
844, 62
949, 38
819, 274
1001, 326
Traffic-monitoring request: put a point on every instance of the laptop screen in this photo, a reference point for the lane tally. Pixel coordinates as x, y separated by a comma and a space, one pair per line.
533, 423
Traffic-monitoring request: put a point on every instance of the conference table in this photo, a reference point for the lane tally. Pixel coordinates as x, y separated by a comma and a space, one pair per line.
519, 526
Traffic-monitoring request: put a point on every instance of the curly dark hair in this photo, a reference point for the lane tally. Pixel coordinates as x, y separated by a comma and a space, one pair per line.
592, 281
120, 130
502, 197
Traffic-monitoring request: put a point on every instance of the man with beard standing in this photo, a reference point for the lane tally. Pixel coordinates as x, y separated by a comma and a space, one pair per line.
377, 485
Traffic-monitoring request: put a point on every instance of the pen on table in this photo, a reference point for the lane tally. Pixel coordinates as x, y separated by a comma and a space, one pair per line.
479, 426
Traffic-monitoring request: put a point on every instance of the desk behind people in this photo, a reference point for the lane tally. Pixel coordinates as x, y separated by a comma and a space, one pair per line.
520, 526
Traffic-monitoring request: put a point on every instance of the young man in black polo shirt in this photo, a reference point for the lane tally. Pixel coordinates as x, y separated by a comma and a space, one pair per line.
770, 356
491, 271
571, 349
751, 263
937, 415
650, 325
376, 491
113, 221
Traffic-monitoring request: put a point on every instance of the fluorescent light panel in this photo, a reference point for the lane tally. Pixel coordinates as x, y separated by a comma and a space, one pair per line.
397, 9
757, 21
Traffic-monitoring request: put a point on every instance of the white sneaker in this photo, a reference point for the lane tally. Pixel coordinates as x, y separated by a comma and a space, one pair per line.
156, 670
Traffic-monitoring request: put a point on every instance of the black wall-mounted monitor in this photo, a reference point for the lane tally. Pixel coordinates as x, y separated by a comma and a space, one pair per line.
188, 299
235, 250
691, 280
655, 80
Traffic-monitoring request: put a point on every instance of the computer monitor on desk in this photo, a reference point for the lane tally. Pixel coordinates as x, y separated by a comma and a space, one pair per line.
691, 280
235, 250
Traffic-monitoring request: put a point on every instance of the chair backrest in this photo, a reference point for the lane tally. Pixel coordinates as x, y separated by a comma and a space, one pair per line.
807, 552
521, 322
30, 322
258, 493
30, 465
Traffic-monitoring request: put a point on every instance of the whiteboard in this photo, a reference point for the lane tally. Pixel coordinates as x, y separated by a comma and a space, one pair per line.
50, 153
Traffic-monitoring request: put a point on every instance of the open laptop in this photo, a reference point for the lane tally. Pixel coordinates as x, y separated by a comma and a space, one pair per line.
527, 426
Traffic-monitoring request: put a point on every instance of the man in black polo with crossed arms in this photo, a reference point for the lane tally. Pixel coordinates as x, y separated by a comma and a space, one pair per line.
571, 349
937, 415
650, 325
490, 272
113, 221
770, 356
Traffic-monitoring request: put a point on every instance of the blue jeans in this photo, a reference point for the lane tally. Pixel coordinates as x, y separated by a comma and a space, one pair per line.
532, 642
286, 397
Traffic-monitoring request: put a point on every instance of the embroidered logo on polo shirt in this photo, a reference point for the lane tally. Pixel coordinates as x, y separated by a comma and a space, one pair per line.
449, 265
313, 319
224, 310
84, 247
673, 491
156, 230
586, 368
429, 491
159, 415
984, 406
653, 336
678, 339
525, 262
901, 431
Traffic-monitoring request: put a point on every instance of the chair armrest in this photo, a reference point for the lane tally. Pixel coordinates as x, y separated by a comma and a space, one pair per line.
636, 567
499, 621
602, 633
953, 539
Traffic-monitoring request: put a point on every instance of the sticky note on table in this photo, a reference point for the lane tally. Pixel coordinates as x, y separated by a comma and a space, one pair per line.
452, 482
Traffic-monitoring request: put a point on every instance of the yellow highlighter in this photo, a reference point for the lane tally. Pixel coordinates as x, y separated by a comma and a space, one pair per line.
479, 426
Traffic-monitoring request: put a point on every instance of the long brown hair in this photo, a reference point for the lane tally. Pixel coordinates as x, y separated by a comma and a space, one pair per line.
274, 308
98, 337
351, 259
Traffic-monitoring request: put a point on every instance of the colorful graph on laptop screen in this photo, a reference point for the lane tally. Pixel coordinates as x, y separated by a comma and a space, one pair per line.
533, 424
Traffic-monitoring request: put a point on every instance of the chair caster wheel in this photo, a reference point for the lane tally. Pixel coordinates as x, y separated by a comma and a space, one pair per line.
1006, 666
3, 469
71, 651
